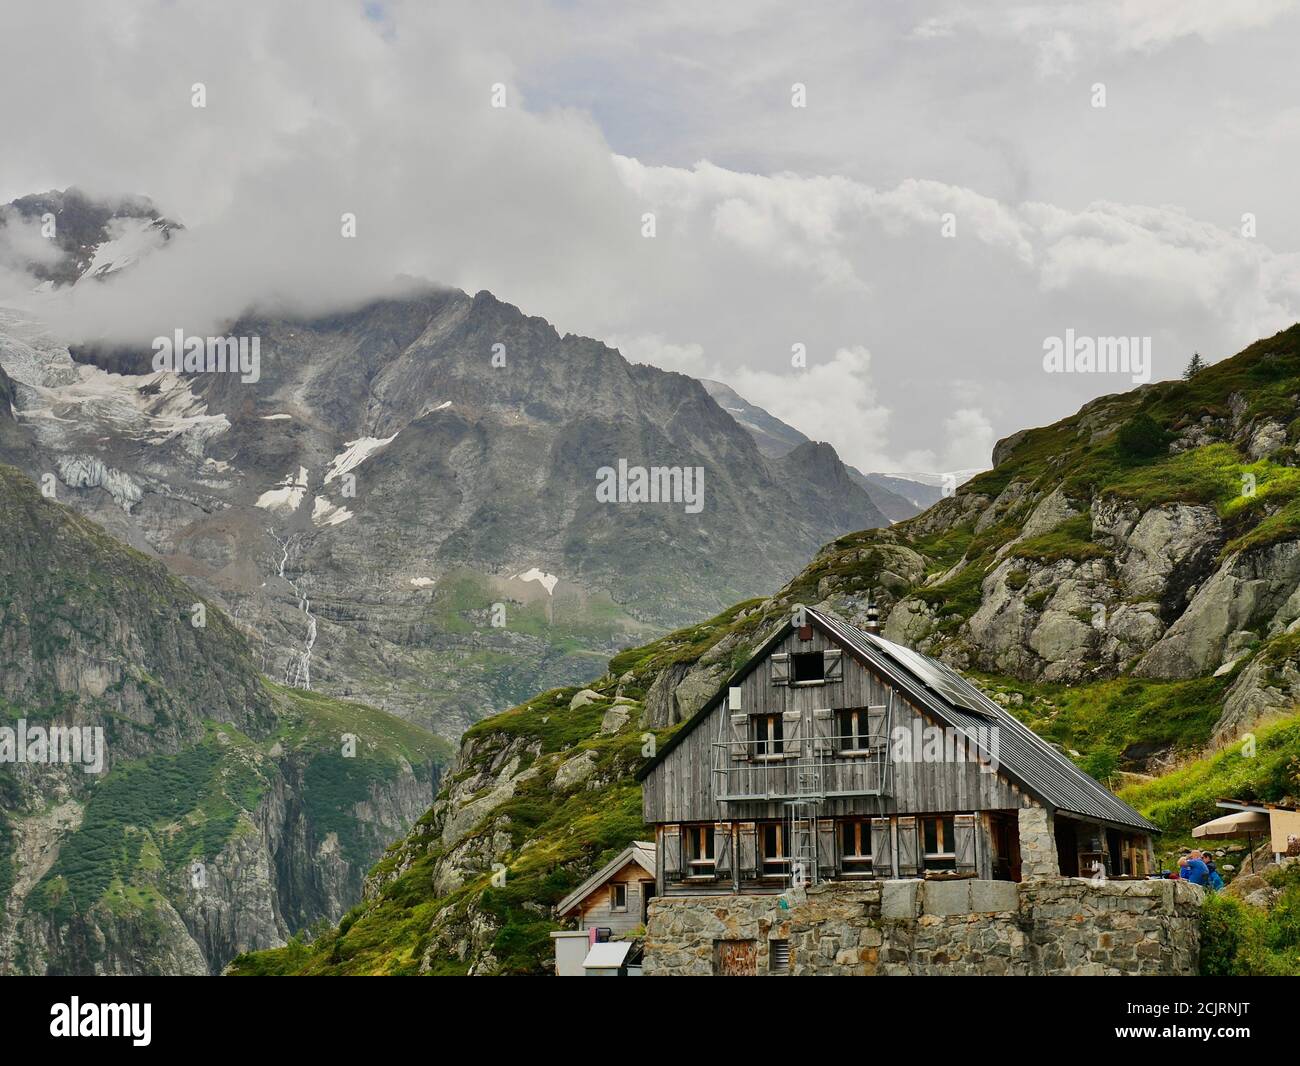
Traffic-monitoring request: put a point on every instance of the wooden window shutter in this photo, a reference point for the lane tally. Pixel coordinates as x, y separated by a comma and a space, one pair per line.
882, 850
747, 849
792, 731
964, 846
722, 848
781, 668
826, 845
908, 847
670, 852
833, 663
733, 698
739, 736
823, 731
876, 716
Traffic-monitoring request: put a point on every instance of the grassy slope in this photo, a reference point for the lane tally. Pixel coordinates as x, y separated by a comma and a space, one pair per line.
560, 840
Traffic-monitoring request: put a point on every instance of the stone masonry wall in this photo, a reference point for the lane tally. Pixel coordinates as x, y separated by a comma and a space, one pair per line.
885, 928
1037, 844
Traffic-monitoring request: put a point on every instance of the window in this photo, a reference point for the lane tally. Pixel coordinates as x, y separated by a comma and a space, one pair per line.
808, 666
769, 736
938, 841
855, 846
618, 897
779, 956
772, 858
699, 850
854, 732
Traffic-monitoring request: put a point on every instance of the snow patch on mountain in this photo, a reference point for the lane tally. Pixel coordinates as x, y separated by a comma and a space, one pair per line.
287, 496
67, 401
128, 240
547, 581
324, 513
355, 453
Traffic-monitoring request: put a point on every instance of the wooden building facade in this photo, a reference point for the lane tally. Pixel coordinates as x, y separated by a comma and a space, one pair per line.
835, 754
616, 896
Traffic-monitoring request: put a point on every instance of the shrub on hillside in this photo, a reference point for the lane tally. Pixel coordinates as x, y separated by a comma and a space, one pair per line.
1142, 437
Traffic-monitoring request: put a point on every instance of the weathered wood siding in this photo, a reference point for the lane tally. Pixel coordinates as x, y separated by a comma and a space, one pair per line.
596, 909
682, 787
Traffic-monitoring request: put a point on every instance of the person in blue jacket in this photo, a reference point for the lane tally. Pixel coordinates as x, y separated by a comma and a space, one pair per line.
1193, 869
1216, 881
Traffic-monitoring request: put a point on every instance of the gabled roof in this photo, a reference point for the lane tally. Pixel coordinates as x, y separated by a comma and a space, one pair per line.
746, 668
1022, 754
641, 852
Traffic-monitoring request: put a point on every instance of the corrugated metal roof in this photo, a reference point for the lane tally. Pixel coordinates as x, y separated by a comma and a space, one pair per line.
607, 956
1022, 753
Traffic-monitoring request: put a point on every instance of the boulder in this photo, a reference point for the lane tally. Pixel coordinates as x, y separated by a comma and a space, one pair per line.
575, 771
583, 697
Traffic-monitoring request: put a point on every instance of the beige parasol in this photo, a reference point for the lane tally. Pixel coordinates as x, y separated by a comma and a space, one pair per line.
1248, 824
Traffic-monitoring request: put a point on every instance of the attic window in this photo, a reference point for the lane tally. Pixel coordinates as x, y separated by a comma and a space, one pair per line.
618, 897
808, 666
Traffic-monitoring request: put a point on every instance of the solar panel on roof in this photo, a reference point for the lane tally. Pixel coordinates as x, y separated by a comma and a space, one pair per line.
932, 674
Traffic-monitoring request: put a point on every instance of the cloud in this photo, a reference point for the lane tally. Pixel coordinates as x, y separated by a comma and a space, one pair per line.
1059, 32
774, 226
834, 401
968, 433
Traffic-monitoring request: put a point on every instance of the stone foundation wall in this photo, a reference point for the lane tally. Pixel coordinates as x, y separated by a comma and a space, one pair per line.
885, 928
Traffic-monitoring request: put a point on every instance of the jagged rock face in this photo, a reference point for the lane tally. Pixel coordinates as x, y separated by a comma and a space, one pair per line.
201, 764
405, 503
1266, 687
1067, 619
1252, 595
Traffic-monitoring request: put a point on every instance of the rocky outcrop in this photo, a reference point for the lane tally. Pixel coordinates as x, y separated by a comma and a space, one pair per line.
1268, 686
1253, 595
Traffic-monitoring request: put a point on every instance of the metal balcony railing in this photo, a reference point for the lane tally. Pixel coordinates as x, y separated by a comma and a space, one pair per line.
812, 769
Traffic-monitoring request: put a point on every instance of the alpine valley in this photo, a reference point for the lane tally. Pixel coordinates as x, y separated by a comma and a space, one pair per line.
1108, 581
281, 600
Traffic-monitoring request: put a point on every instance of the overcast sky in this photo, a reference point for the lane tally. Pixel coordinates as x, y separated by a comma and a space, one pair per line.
776, 225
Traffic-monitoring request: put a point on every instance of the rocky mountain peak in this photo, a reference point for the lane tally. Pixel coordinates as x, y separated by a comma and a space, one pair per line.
94, 236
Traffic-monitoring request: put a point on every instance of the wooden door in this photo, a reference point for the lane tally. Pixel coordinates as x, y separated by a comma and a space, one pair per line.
735, 958
1006, 847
